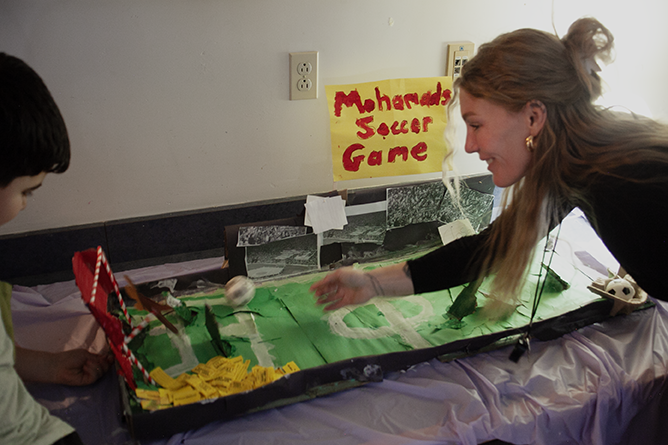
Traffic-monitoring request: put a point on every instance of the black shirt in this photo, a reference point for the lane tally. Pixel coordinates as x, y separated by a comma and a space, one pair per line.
628, 210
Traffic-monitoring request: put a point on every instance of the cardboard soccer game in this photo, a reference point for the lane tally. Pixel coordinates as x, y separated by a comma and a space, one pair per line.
187, 356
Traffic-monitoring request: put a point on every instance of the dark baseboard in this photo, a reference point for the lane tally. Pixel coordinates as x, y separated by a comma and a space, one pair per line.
44, 257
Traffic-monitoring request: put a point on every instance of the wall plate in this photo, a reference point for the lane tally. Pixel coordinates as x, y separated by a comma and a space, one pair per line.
458, 54
304, 75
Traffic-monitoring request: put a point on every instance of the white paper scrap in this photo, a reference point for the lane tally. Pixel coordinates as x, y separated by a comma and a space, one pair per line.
325, 213
456, 229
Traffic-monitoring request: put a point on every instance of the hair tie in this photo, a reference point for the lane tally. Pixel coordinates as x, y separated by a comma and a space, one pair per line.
590, 65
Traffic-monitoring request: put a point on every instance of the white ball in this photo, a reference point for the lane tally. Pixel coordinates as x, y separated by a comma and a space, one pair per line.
239, 291
621, 288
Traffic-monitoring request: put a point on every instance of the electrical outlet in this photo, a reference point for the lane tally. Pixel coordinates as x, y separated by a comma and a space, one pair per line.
458, 54
304, 85
304, 68
304, 75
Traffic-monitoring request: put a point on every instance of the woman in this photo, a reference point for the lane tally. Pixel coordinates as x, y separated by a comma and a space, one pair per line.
527, 101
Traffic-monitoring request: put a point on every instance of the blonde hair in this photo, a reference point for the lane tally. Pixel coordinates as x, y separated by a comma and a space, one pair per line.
578, 142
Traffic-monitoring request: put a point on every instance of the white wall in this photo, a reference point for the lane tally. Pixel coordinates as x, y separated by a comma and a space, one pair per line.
176, 105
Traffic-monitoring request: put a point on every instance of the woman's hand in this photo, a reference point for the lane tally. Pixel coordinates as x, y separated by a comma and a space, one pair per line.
350, 286
343, 287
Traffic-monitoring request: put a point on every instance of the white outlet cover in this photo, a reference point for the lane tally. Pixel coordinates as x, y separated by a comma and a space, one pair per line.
304, 75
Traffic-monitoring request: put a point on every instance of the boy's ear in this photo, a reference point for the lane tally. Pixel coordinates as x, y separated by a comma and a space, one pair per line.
536, 113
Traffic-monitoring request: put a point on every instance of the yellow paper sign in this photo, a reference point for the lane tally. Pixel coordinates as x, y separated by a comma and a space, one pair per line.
388, 128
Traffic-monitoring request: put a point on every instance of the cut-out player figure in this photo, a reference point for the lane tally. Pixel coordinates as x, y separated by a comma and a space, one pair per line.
33, 142
527, 99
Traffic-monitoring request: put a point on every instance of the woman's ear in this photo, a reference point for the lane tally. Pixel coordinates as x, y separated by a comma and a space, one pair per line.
536, 113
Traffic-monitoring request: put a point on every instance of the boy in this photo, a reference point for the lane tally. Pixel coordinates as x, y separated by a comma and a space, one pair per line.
33, 142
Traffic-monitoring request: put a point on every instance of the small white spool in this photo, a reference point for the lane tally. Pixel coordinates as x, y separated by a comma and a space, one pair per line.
239, 291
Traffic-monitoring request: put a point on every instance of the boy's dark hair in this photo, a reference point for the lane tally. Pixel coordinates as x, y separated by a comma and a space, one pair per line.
33, 136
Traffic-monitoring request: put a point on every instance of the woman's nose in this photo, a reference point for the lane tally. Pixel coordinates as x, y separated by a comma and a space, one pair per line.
470, 145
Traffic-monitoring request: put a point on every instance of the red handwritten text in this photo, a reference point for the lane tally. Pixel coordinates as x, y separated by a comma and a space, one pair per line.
352, 163
384, 102
396, 128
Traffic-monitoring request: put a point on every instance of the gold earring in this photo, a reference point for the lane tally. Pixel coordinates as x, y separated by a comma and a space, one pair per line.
529, 142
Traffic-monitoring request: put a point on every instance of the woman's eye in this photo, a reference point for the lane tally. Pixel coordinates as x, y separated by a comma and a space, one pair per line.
27, 194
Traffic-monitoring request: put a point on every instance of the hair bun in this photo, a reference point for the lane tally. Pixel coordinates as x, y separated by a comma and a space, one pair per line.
587, 42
